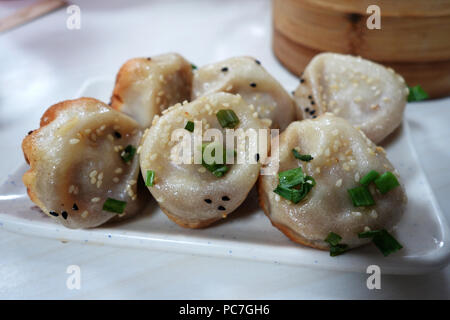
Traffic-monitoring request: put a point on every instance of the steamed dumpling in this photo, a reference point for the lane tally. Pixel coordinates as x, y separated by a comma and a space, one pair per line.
190, 194
342, 155
79, 158
246, 76
146, 86
369, 95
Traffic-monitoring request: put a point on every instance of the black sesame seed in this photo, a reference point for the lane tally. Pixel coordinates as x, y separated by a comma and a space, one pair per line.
292, 92
307, 109
224, 69
257, 157
53, 213
208, 201
253, 85
312, 102
310, 97
64, 215
30, 132
302, 80
225, 198
149, 58
257, 61
117, 134
314, 117
312, 112
221, 208
75, 207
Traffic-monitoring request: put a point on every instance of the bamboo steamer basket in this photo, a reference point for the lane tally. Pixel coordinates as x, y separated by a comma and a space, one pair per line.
414, 38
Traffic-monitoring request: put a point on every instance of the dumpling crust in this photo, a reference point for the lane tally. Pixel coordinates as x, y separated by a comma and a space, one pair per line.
368, 95
245, 76
189, 194
342, 155
147, 86
75, 163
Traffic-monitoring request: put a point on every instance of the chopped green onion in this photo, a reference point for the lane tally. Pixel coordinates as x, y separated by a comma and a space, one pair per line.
189, 126
113, 205
368, 178
193, 66
383, 240
386, 182
335, 248
333, 239
217, 169
150, 178
416, 93
291, 194
361, 197
302, 157
227, 118
128, 153
294, 178
338, 249
291, 178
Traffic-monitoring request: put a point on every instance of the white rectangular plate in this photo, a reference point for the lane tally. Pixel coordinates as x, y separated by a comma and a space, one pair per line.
247, 233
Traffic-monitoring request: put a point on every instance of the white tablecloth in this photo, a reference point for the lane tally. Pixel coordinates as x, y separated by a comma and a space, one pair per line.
43, 62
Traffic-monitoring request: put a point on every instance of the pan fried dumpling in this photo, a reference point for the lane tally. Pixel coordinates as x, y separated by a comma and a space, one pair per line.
369, 95
189, 193
245, 76
83, 154
342, 155
147, 86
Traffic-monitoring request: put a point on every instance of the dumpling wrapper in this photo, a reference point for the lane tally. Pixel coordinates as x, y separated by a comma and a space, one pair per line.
147, 86
342, 155
245, 76
368, 95
189, 194
75, 163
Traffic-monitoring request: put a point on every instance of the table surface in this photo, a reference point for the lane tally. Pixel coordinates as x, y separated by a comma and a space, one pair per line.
43, 62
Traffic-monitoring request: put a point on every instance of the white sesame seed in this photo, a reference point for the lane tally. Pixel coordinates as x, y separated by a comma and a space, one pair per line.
84, 214
339, 183
95, 199
374, 214
74, 141
115, 179
118, 170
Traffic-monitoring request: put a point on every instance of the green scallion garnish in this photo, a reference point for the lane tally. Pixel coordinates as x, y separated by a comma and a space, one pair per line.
217, 169
149, 181
302, 157
368, 178
416, 93
128, 153
336, 248
291, 178
294, 185
189, 126
227, 118
333, 238
383, 240
386, 182
361, 197
113, 205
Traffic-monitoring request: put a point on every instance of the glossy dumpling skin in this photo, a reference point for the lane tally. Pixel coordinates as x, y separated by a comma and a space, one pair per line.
75, 163
189, 194
246, 76
147, 86
369, 95
342, 155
